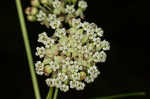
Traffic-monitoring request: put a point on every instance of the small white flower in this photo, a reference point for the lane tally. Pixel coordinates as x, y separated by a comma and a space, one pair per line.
67, 58
60, 32
95, 74
40, 52
58, 83
55, 24
54, 66
73, 84
39, 67
105, 45
76, 69
80, 86
64, 88
41, 16
50, 82
82, 4
71, 62
56, 4
93, 26
70, 9
96, 54
89, 79
75, 76
92, 70
75, 62
76, 23
43, 38
49, 43
85, 25
47, 81
99, 32
62, 76
102, 56
51, 17
80, 67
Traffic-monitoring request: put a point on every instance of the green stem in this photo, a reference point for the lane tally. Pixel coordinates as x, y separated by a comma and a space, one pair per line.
28, 49
56, 93
41, 7
122, 95
49, 96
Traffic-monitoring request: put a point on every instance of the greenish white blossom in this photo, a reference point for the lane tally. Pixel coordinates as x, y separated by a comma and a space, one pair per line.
70, 55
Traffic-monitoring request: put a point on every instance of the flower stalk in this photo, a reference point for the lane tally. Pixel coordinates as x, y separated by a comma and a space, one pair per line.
56, 93
50, 93
28, 49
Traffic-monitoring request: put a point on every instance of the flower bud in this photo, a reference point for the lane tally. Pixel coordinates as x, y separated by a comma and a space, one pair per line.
82, 75
45, 2
34, 11
82, 4
31, 18
28, 10
35, 3
31, 11
47, 70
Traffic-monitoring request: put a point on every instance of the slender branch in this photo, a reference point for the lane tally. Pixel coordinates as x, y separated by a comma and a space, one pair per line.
44, 9
49, 96
122, 95
28, 49
56, 93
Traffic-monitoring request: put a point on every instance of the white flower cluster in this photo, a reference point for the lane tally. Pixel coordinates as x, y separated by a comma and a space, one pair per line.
72, 59
70, 55
55, 11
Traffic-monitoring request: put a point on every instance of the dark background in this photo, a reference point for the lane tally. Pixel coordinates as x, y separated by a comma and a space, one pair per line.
126, 24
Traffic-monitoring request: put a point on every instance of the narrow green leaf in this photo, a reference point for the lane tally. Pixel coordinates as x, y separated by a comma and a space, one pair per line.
122, 95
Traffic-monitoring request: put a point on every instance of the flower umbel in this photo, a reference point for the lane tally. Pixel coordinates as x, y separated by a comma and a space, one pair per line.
70, 55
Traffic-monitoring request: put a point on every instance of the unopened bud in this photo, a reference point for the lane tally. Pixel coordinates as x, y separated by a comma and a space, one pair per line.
47, 70
44, 2
28, 10
35, 3
34, 11
31, 11
31, 18
82, 75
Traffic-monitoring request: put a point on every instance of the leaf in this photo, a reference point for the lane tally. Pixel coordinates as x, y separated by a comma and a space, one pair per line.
121, 95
